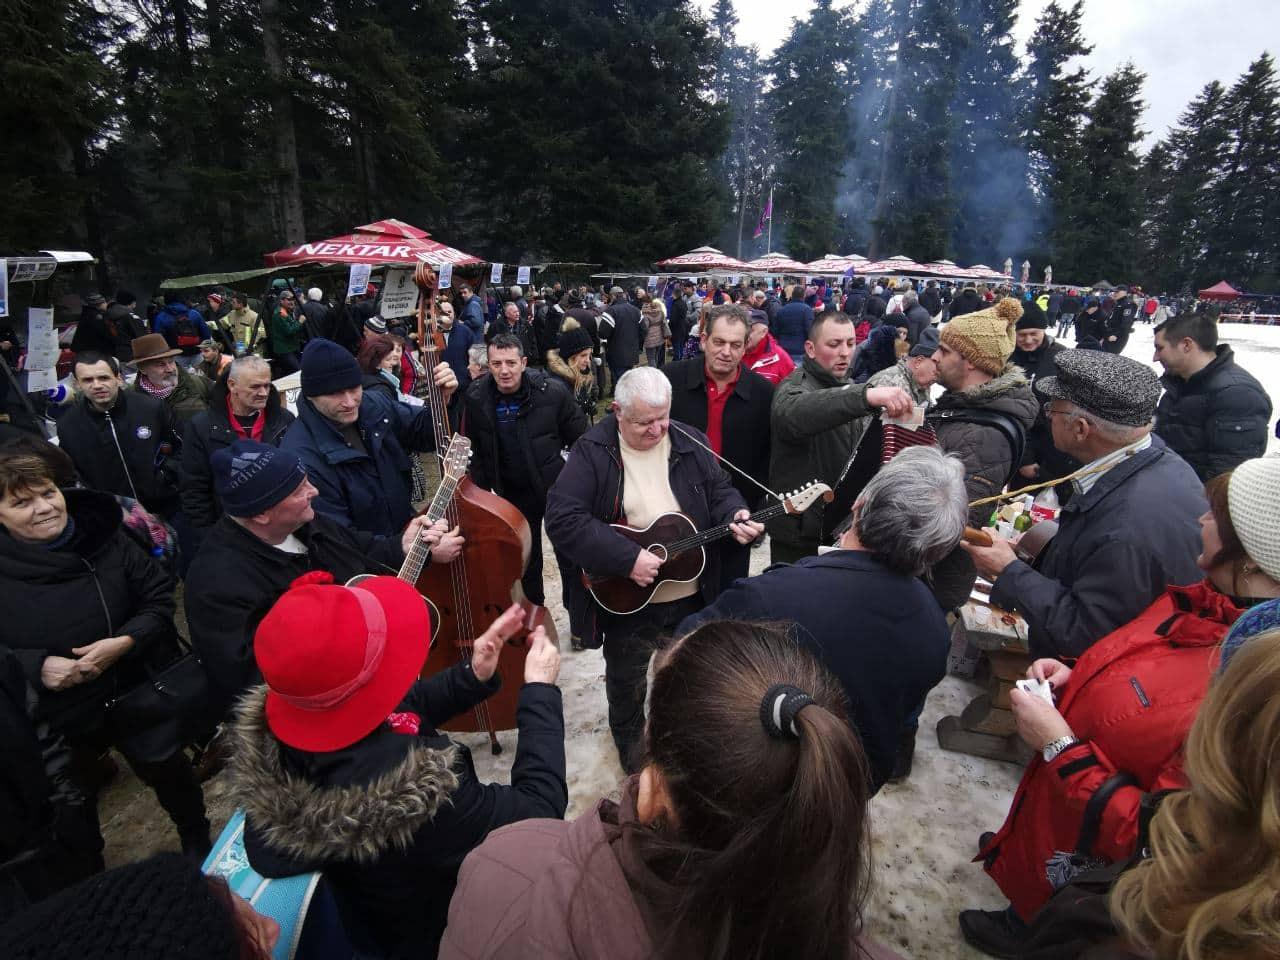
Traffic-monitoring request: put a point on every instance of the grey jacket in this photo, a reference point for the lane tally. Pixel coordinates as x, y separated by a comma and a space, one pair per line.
816, 422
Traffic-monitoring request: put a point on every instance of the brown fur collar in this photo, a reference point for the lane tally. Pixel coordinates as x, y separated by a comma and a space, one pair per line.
309, 822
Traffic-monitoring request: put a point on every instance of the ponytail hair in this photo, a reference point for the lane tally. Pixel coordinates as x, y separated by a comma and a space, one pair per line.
767, 854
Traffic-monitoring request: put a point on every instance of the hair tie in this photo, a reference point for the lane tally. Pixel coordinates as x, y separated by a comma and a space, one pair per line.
779, 707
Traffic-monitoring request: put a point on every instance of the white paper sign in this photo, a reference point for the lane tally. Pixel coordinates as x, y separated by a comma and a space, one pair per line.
653, 283
38, 380
4, 287
399, 295
444, 279
32, 271
495, 275
42, 339
358, 282
522, 276
733, 279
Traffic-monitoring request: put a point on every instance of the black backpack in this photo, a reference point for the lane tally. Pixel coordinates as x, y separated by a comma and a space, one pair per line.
1013, 431
185, 333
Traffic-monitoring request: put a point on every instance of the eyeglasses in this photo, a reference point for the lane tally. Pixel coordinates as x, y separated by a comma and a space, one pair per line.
1049, 412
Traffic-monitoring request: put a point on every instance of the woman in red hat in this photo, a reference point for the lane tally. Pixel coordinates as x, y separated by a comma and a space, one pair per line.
339, 766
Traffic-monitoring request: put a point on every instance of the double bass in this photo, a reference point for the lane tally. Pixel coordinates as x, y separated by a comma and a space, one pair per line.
474, 590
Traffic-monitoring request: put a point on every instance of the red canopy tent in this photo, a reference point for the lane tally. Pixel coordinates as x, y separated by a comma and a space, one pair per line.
391, 243
704, 258
1219, 291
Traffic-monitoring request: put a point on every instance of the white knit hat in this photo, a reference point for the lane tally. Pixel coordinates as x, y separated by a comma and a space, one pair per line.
1253, 497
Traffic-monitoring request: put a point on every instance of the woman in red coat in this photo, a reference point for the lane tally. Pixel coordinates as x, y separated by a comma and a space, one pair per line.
1123, 713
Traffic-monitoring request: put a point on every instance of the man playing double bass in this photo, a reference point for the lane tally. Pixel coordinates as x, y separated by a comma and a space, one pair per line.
631, 468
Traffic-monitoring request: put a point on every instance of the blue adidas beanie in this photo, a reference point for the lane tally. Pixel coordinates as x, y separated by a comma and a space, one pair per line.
251, 478
1257, 619
328, 368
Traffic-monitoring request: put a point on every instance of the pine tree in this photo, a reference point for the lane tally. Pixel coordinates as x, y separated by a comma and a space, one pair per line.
876, 29
1057, 101
593, 138
914, 198
1242, 242
813, 81
1180, 174
994, 215
1102, 234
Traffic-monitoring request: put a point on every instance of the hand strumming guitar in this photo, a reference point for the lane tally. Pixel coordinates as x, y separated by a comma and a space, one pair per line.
645, 570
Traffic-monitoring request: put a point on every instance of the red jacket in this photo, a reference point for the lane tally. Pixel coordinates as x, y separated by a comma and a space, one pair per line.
770, 360
1130, 700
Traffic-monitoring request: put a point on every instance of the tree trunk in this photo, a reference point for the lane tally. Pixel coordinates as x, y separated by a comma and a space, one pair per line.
288, 178
886, 146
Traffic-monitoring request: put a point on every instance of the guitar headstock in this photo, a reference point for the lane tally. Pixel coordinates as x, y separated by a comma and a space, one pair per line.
457, 457
802, 499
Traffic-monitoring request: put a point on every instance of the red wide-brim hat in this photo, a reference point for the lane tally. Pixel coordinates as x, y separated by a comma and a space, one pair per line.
316, 638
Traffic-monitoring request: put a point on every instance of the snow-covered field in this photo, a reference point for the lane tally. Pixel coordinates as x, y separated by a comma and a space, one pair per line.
924, 831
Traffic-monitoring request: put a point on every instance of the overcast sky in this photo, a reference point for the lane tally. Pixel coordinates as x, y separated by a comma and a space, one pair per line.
1179, 44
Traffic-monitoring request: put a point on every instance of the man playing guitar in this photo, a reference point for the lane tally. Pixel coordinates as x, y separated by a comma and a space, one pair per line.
629, 468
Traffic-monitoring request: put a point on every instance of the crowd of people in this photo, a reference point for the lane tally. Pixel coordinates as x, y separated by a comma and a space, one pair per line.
779, 703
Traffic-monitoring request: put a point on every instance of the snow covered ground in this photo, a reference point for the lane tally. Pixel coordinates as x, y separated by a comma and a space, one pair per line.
924, 831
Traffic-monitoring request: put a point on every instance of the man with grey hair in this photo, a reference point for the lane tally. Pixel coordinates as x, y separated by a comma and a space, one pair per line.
243, 405
918, 319
862, 606
1132, 527
632, 467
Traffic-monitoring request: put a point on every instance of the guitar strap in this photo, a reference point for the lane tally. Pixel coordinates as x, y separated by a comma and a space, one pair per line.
727, 463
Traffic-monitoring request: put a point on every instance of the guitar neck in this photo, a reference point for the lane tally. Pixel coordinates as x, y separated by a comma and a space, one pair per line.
417, 556
713, 534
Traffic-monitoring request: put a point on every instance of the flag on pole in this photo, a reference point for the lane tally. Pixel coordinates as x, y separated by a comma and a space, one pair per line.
765, 215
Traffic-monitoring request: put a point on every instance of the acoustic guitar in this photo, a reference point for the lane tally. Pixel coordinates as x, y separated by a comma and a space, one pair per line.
675, 540
453, 468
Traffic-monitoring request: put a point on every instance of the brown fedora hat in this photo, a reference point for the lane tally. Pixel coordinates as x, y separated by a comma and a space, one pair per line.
152, 346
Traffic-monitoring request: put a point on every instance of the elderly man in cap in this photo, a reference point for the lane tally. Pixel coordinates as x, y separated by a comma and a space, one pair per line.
184, 393
269, 536
763, 355
1130, 530
356, 445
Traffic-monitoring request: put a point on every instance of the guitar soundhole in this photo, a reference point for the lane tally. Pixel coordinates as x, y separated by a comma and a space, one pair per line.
659, 551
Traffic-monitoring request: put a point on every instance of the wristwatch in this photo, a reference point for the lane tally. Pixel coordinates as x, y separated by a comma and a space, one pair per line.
1055, 747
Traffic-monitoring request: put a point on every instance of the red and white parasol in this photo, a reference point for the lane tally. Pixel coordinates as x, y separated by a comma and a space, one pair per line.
384, 243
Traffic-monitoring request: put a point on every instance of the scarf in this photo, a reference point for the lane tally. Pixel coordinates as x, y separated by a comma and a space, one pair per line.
255, 431
160, 393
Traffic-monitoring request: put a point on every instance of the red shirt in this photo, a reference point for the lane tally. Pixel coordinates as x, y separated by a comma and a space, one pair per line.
716, 399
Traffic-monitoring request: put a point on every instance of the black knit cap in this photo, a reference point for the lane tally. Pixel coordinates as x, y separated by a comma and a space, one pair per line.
160, 907
573, 342
328, 368
1033, 317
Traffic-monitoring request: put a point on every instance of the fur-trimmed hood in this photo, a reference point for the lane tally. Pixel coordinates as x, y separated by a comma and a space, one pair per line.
1010, 392
314, 823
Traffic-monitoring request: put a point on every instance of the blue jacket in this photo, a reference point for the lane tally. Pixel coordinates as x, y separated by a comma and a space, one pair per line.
473, 316
1118, 547
790, 328
879, 632
455, 354
166, 321
366, 491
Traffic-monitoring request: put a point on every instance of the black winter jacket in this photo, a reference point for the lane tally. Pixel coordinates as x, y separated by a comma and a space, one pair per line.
236, 577
549, 421
1118, 547
1040, 449
967, 300
918, 320
131, 450
390, 818
878, 631
588, 496
368, 489
625, 334
211, 431
101, 584
744, 430
1216, 419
